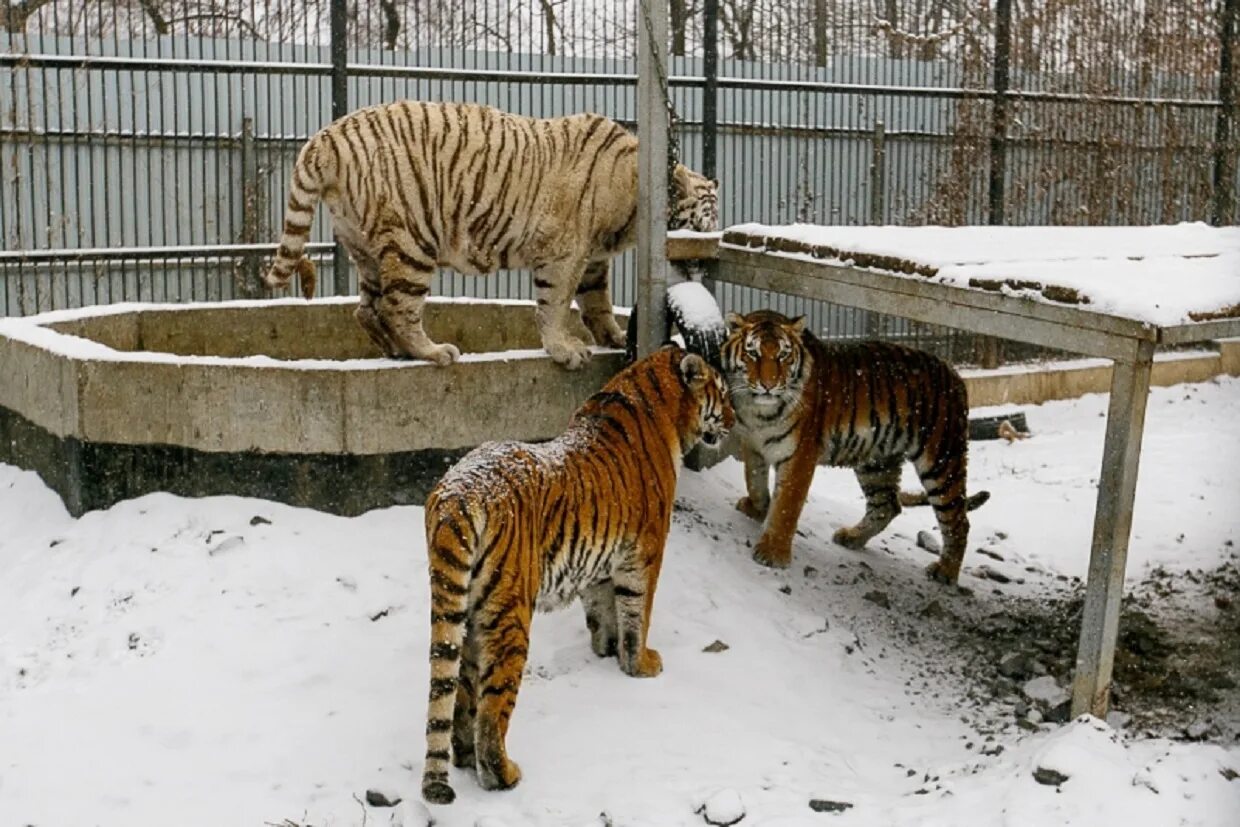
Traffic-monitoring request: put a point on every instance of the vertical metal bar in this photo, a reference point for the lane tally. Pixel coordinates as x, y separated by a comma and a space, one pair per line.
652, 128
710, 92
820, 32
340, 108
999, 115
1224, 208
250, 285
1130, 387
878, 173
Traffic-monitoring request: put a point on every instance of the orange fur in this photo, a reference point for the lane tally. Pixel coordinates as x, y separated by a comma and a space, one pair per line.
516, 527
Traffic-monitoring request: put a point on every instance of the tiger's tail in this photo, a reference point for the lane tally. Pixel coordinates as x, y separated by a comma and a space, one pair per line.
450, 545
916, 498
305, 190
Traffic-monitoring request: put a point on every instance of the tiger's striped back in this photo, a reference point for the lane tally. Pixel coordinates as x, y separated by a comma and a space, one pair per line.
515, 527
413, 186
869, 406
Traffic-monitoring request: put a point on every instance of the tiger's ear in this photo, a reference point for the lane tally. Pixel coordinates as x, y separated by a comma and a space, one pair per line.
797, 325
735, 321
681, 177
694, 370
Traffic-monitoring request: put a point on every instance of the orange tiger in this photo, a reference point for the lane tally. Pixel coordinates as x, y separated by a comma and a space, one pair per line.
515, 527
869, 406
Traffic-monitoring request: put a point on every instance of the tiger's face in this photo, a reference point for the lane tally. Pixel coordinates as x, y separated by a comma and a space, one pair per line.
764, 358
697, 202
714, 416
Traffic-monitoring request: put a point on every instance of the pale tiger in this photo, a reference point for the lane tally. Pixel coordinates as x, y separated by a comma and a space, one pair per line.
413, 186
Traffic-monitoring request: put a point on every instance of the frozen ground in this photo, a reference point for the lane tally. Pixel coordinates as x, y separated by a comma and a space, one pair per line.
235, 662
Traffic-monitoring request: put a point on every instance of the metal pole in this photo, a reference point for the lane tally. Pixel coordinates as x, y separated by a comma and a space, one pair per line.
340, 108
1224, 208
878, 152
820, 32
999, 121
710, 92
653, 123
1130, 390
251, 282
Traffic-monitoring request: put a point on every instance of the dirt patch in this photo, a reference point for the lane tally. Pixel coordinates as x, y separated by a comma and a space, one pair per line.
1177, 660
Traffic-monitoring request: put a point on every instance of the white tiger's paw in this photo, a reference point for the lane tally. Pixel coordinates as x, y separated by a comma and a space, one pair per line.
571, 353
443, 355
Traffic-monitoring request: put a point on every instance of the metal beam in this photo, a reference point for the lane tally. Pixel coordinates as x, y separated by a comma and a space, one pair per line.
1130, 388
652, 129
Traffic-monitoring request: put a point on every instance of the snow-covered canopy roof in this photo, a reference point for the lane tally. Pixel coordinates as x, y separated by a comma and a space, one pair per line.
1164, 275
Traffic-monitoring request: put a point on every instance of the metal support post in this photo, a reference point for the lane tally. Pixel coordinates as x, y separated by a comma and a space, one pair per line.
1224, 207
1130, 388
999, 118
340, 108
710, 92
652, 128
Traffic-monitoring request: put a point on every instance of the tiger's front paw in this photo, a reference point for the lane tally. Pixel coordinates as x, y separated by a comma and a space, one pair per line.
939, 573
570, 352
769, 554
649, 664
443, 355
849, 538
746, 506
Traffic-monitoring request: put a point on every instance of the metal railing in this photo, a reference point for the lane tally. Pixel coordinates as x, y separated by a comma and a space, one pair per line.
145, 145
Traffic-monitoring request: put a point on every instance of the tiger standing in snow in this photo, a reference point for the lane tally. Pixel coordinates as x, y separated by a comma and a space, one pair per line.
413, 185
870, 406
515, 527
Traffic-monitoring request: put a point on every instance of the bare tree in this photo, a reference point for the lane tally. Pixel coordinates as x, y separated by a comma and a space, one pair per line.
13, 16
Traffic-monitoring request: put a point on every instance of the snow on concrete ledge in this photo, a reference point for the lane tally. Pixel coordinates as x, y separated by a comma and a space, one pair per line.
1163, 275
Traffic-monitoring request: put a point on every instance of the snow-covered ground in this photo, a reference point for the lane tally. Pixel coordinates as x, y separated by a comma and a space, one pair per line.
226, 661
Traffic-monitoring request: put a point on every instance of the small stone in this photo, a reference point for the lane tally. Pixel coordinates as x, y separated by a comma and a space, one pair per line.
810, 571
878, 598
929, 541
134, 640
258, 519
785, 589
717, 646
722, 808
987, 573
1045, 690
378, 798
1222, 601
1051, 778
1060, 714
823, 805
1229, 774
1015, 665
934, 609
73, 592
993, 555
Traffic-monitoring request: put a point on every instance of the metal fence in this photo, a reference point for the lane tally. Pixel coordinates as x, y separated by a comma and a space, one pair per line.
145, 145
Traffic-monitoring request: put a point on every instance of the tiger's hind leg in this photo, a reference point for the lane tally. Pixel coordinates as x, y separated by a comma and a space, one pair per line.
944, 481
503, 645
466, 709
634, 582
404, 281
555, 285
599, 602
369, 290
880, 482
594, 300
